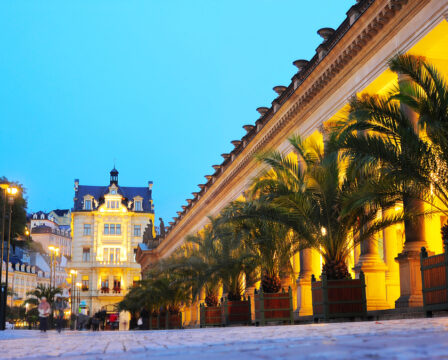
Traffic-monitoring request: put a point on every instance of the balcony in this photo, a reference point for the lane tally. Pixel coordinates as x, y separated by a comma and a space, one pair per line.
107, 291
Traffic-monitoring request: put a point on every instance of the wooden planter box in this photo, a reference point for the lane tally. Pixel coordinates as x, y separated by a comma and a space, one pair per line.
154, 322
273, 307
165, 321
434, 281
236, 312
210, 316
339, 298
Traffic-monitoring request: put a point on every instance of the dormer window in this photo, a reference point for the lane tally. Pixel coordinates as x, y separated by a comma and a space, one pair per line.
88, 205
138, 205
42, 216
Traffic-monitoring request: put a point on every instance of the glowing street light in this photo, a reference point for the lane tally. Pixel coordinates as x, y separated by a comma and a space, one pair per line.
9, 193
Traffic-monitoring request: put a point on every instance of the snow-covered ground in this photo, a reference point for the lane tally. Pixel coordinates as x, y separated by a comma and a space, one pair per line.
393, 339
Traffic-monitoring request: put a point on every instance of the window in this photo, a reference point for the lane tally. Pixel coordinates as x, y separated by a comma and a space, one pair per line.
113, 191
138, 206
87, 229
88, 205
105, 254
117, 284
135, 253
112, 204
85, 283
112, 229
136, 280
137, 230
104, 284
117, 255
86, 254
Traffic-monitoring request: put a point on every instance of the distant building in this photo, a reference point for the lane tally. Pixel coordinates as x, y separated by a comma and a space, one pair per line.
107, 226
52, 229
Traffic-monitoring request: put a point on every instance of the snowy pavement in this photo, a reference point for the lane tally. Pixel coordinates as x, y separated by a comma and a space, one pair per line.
393, 339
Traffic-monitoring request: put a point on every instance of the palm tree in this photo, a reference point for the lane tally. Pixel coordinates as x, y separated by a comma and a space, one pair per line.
40, 292
312, 197
411, 158
272, 243
221, 258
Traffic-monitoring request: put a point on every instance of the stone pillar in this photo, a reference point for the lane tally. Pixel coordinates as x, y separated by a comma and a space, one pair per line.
250, 291
391, 250
309, 265
409, 258
375, 272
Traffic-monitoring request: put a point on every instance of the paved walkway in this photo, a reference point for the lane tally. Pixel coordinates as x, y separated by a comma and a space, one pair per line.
393, 339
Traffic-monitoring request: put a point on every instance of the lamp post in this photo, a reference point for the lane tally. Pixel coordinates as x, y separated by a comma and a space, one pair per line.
11, 192
53, 252
78, 302
73, 273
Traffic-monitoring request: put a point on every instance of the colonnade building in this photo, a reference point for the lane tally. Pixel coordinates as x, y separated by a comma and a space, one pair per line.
351, 59
107, 226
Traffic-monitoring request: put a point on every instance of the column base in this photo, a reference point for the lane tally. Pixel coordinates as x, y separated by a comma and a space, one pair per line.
374, 270
304, 297
410, 278
392, 288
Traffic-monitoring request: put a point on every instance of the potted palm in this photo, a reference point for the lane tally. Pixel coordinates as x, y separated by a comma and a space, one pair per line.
404, 135
228, 260
311, 195
273, 246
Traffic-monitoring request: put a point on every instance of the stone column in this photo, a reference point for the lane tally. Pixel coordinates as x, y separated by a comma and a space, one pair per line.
391, 250
309, 265
375, 272
409, 258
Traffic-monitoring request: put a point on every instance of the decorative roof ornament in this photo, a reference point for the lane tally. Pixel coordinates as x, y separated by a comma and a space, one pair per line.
300, 64
262, 110
326, 33
279, 89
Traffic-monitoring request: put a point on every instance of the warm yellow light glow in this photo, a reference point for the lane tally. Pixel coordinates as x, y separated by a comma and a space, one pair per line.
323, 231
51, 248
78, 284
12, 190
123, 209
101, 210
73, 272
27, 232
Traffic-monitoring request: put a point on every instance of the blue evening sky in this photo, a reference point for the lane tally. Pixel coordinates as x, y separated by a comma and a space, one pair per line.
162, 86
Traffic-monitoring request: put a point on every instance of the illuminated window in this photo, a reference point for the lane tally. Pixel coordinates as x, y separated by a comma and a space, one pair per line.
112, 229
138, 206
137, 230
85, 282
105, 254
88, 205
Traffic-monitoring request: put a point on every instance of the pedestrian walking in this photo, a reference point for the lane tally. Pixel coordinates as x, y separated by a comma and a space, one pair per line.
59, 306
44, 310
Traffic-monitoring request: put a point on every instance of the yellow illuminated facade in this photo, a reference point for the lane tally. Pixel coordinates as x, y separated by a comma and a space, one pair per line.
107, 226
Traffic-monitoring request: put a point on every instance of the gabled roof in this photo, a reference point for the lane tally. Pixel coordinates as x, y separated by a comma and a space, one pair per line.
61, 212
128, 193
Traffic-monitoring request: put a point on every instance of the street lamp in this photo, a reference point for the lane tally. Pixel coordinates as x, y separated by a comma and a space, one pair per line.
78, 285
10, 193
73, 274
